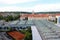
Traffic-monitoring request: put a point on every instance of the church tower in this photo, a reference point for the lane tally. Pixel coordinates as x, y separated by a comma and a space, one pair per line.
33, 12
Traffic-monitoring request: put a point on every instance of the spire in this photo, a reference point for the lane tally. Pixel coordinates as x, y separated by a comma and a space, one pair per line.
33, 12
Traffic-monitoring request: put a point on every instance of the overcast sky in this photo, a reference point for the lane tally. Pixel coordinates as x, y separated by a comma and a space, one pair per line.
30, 5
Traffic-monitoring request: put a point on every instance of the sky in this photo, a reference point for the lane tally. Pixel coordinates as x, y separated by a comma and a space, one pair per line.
30, 5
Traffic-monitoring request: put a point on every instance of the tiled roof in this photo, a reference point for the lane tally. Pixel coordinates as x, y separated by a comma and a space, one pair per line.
35, 15
16, 35
57, 14
38, 15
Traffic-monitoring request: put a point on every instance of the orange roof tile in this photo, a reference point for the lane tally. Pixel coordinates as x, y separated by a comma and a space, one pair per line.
57, 14
35, 15
16, 35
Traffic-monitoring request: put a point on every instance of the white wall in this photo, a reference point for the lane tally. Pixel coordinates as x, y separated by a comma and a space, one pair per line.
58, 19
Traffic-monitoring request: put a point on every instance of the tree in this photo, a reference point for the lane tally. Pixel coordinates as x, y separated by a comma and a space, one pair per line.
1, 17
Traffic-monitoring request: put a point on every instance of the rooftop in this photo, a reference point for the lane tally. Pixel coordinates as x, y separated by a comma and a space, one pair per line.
16, 35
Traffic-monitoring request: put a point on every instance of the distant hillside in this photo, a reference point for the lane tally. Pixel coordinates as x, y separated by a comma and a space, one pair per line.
48, 12
31, 12
18, 12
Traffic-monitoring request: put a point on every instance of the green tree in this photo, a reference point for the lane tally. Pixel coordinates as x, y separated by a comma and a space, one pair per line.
1, 17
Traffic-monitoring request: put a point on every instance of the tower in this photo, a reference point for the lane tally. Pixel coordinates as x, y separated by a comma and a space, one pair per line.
33, 12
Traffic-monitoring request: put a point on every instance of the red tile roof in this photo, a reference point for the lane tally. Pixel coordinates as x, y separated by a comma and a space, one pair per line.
38, 15
57, 14
35, 15
16, 35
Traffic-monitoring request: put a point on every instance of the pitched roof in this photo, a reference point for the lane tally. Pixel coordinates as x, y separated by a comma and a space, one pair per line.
16, 35
35, 15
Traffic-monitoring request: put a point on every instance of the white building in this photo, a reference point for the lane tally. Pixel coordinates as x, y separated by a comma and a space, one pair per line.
58, 19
